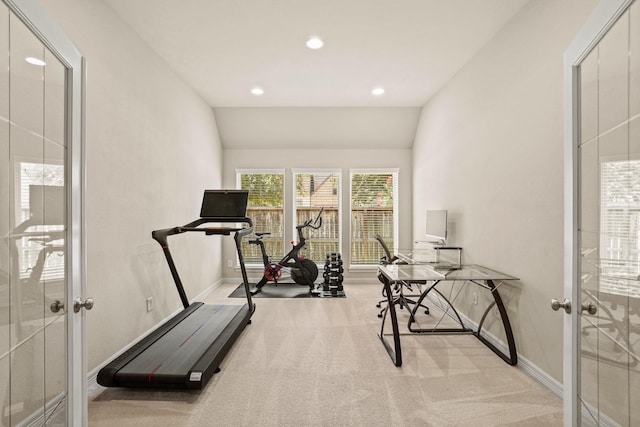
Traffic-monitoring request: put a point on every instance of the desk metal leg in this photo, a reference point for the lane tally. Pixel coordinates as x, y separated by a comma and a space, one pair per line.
436, 329
512, 359
396, 352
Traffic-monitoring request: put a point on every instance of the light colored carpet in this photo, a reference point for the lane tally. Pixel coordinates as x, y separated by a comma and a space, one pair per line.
319, 362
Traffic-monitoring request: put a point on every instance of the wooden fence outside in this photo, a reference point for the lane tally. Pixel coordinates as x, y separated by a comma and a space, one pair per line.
365, 224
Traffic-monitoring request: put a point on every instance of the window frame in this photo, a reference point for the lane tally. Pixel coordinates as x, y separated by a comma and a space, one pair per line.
396, 186
614, 217
252, 263
29, 249
294, 207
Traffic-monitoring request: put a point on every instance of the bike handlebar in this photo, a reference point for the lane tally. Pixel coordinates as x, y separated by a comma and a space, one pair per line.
317, 222
311, 223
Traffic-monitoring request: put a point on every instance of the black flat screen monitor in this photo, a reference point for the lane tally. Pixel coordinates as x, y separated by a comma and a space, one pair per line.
436, 225
224, 204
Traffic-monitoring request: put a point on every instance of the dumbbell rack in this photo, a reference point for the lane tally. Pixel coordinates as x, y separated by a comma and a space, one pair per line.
333, 278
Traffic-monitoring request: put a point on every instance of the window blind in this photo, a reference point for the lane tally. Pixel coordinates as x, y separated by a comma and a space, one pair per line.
266, 209
35, 254
373, 211
620, 227
313, 191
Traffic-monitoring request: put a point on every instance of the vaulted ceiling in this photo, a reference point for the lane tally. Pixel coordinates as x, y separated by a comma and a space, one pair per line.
225, 48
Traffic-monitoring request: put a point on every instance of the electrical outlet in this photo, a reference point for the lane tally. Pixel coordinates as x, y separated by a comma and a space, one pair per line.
475, 298
149, 304
230, 263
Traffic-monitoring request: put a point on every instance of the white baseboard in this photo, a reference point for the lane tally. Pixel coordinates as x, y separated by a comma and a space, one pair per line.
541, 376
524, 364
202, 295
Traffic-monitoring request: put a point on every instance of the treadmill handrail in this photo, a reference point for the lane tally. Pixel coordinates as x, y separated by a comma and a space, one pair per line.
161, 237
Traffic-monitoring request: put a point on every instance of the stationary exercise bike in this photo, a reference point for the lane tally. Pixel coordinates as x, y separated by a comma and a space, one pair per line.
303, 271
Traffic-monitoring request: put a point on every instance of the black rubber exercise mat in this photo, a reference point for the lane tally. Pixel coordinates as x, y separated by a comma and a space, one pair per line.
284, 290
271, 290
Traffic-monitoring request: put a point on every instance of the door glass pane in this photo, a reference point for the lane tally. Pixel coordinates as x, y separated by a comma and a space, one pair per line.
51, 263
613, 88
4, 62
26, 391
634, 264
26, 399
4, 208
32, 186
609, 221
27, 75
589, 210
634, 60
54, 99
589, 97
616, 181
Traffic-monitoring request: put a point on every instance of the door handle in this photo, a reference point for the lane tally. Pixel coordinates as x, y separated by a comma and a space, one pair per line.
557, 305
78, 304
590, 308
56, 306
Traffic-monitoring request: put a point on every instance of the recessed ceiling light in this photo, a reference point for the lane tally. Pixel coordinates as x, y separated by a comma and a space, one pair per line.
35, 61
257, 91
377, 91
315, 43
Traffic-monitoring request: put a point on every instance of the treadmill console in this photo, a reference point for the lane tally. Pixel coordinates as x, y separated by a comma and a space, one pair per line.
224, 204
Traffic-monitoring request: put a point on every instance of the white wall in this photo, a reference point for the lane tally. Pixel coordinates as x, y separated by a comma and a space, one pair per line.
345, 160
318, 127
152, 146
489, 149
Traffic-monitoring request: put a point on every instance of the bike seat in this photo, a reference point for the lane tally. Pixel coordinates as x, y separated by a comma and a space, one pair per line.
262, 234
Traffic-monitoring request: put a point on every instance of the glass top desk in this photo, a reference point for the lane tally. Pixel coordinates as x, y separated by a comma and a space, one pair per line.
429, 278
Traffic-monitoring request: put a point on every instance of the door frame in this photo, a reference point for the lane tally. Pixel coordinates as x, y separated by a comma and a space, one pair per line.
36, 17
601, 20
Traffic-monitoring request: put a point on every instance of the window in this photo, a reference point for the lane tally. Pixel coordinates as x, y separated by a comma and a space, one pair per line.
316, 189
373, 210
374, 207
266, 210
620, 226
40, 184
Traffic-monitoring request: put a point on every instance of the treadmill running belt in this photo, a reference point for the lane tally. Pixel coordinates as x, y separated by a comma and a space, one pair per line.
170, 359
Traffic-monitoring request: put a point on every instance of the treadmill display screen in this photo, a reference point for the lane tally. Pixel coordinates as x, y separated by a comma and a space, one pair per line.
224, 204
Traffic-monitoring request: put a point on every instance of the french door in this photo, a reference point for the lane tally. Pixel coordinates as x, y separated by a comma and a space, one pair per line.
42, 360
602, 219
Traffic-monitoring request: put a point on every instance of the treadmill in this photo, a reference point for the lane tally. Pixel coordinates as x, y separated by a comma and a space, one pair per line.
186, 351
